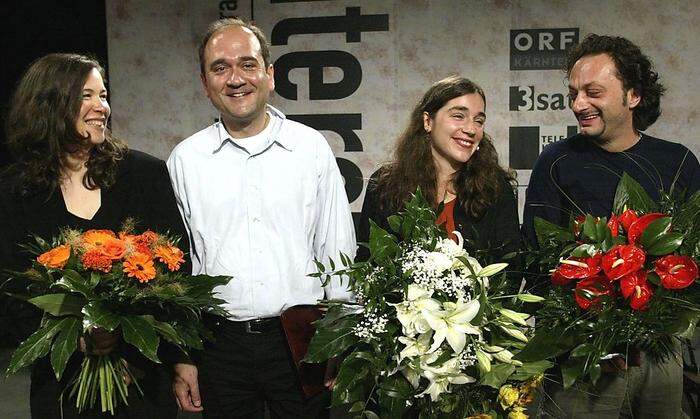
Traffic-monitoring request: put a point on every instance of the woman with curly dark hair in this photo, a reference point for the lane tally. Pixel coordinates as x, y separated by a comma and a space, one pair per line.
446, 152
69, 171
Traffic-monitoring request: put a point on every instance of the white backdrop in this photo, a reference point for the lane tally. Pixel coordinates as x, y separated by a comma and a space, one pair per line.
383, 55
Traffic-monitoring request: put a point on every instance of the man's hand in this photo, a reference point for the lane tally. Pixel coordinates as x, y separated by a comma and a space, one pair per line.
331, 373
99, 342
186, 388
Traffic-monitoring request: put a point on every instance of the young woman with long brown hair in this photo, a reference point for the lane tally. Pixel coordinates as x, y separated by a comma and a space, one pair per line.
69, 171
446, 152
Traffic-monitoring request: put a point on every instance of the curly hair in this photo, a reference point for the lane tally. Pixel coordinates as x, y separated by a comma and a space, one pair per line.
41, 125
634, 69
478, 183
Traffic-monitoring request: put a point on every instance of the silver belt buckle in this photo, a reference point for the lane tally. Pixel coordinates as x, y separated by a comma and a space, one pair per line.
248, 328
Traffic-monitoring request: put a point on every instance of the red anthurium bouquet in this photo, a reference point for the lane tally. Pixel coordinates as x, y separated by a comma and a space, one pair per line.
627, 281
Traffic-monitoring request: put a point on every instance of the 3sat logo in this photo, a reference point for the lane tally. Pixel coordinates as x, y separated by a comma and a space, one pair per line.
526, 98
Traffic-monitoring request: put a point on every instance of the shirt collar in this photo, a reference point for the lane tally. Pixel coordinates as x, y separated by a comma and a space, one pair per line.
277, 118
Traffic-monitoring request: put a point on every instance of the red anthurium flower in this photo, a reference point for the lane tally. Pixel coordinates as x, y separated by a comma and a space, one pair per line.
559, 279
634, 232
622, 260
578, 268
614, 225
627, 218
676, 272
635, 287
596, 287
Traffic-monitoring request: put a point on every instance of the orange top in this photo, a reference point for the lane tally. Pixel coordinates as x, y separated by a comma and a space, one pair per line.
447, 218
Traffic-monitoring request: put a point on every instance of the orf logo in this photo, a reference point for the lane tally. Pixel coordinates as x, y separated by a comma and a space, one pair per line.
540, 49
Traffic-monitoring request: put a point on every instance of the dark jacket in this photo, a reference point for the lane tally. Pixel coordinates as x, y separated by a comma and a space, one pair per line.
493, 235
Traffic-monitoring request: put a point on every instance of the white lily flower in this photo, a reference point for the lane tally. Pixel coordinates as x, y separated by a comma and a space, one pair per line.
453, 324
416, 292
441, 377
415, 347
409, 312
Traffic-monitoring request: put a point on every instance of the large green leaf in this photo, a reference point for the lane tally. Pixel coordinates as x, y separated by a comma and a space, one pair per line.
331, 342
572, 370
668, 243
498, 375
165, 330
353, 381
36, 345
393, 393
73, 281
630, 194
59, 304
545, 344
654, 231
98, 314
547, 231
139, 332
382, 245
65, 344
530, 369
337, 312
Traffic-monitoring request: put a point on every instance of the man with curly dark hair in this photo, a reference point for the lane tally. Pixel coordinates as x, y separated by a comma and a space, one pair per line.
615, 94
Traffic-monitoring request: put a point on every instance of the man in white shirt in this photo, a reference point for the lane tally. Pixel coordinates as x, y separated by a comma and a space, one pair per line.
262, 197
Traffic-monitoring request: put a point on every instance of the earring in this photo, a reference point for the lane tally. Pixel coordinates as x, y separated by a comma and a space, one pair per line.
477, 148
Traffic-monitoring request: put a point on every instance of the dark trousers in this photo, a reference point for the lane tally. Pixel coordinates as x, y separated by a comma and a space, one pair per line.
241, 373
648, 391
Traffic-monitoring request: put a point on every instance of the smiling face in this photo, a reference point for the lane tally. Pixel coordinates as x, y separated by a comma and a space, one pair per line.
94, 109
456, 130
603, 108
236, 80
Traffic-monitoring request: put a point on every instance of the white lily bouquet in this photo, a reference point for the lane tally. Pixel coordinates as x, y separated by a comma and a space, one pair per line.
432, 333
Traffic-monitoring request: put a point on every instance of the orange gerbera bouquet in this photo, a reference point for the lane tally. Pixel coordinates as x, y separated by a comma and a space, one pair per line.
119, 282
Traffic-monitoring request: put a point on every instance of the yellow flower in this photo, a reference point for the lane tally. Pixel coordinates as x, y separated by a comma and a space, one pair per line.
517, 413
508, 396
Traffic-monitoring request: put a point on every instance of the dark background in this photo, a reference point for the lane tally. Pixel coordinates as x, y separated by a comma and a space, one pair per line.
31, 29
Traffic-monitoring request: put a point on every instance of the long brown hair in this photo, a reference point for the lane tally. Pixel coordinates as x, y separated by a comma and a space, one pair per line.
41, 124
478, 183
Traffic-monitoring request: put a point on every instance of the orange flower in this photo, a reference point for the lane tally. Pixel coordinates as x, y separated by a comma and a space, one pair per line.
149, 237
135, 243
56, 257
140, 266
96, 238
170, 255
114, 248
97, 260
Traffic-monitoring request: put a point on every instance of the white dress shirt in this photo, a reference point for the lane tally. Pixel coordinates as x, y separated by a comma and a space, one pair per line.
261, 210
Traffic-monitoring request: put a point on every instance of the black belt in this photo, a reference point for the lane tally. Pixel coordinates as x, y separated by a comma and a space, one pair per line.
254, 326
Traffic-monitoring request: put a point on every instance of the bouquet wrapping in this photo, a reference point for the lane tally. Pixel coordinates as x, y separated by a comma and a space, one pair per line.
124, 283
